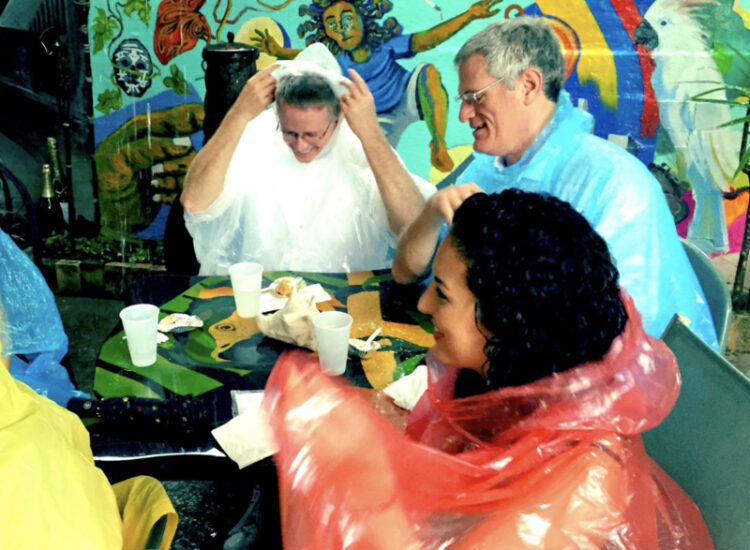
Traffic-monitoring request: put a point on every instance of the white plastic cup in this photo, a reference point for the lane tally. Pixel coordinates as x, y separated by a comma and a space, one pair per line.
247, 278
140, 322
332, 330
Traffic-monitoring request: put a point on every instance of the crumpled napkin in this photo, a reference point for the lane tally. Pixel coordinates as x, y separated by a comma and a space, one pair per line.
407, 390
293, 322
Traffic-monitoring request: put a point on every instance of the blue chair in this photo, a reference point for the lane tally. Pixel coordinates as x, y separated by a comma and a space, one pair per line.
704, 443
714, 289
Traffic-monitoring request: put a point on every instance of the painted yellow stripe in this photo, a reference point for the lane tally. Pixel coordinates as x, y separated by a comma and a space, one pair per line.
742, 11
597, 62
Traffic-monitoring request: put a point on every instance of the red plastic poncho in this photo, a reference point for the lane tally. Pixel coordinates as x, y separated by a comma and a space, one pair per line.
555, 464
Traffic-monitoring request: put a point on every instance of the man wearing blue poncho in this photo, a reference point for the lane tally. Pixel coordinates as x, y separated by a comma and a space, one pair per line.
527, 134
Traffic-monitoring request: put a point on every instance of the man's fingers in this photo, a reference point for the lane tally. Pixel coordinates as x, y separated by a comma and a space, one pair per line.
359, 82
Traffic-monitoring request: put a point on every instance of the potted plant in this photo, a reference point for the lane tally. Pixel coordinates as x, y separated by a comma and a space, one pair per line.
99, 266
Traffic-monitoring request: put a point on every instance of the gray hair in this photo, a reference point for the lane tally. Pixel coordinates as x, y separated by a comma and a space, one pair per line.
307, 90
511, 46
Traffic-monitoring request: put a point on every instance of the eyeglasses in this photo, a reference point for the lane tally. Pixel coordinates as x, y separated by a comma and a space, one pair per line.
313, 137
472, 98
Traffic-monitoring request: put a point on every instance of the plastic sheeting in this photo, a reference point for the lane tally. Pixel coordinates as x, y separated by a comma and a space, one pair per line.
326, 215
53, 495
622, 201
555, 464
30, 325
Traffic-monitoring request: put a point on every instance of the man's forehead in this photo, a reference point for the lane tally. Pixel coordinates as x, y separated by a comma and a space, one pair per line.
307, 115
471, 71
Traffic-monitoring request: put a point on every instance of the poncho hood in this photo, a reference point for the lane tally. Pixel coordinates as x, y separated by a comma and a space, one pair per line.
632, 389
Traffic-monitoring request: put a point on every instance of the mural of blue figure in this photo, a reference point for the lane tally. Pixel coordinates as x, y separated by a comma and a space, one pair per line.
352, 31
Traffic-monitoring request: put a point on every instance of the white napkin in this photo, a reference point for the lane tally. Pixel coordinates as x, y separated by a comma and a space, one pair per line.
247, 438
407, 390
270, 301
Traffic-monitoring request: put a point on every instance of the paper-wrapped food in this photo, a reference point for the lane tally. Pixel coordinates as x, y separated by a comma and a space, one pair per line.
293, 322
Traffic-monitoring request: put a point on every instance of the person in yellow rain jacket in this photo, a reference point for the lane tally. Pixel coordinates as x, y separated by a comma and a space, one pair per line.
54, 496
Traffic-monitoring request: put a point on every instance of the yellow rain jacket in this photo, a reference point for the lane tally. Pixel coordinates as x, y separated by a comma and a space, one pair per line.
53, 495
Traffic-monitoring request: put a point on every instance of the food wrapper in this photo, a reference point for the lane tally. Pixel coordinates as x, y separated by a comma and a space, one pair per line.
293, 322
361, 348
179, 320
283, 285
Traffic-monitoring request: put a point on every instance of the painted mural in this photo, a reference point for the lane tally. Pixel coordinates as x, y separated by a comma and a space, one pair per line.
666, 79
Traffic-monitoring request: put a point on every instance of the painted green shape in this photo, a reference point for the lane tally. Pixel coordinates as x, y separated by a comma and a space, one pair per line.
179, 304
110, 384
723, 58
179, 379
376, 279
407, 366
241, 372
327, 280
424, 321
199, 347
208, 282
273, 275
115, 350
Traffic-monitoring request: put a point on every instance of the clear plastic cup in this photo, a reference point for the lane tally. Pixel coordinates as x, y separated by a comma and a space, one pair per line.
247, 278
332, 330
140, 322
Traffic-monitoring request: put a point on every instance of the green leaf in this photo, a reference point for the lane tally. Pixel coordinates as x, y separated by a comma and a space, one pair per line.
739, 54
743, 162
701, 96
103, 29
734, 121
109, 100
176, 81
141, 7
723, 58
407, 366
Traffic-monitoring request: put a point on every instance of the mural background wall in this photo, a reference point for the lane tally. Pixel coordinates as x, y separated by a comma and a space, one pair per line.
634, 64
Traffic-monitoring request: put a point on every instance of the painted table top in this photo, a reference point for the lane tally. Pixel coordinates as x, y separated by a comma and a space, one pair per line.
229, 352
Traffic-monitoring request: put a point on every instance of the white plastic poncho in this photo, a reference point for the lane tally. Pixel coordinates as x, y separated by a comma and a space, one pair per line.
323, 216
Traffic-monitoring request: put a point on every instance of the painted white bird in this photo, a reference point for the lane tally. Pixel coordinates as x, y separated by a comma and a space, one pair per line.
706, 155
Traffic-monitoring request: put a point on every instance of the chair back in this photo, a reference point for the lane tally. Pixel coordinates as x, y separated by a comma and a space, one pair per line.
704, 443
714, 289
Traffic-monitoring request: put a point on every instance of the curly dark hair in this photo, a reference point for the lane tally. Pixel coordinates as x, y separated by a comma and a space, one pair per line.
545, 285
369, 11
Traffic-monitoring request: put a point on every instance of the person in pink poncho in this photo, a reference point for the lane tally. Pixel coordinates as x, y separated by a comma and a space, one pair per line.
542, 380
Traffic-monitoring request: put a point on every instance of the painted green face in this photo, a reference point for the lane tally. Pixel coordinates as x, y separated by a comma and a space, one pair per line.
342, 24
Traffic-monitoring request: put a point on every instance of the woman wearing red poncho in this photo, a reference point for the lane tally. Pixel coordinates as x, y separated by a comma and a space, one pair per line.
533, 442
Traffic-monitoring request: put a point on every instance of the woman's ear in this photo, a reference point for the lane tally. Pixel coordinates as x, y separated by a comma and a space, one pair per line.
531, 82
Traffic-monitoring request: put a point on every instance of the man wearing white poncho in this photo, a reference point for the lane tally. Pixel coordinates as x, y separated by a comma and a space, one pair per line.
311, 185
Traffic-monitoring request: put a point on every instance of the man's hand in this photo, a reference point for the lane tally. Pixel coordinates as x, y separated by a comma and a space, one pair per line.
417, 244
148, 149
483, 9
358, 107
445, 202
257, 94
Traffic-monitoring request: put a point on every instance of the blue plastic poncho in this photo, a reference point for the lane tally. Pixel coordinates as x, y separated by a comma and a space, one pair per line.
30, 325
621, 200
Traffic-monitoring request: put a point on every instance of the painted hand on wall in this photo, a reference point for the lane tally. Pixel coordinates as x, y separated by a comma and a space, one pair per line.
142, 164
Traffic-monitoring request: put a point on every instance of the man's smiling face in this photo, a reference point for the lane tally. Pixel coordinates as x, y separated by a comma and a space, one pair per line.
497, 119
